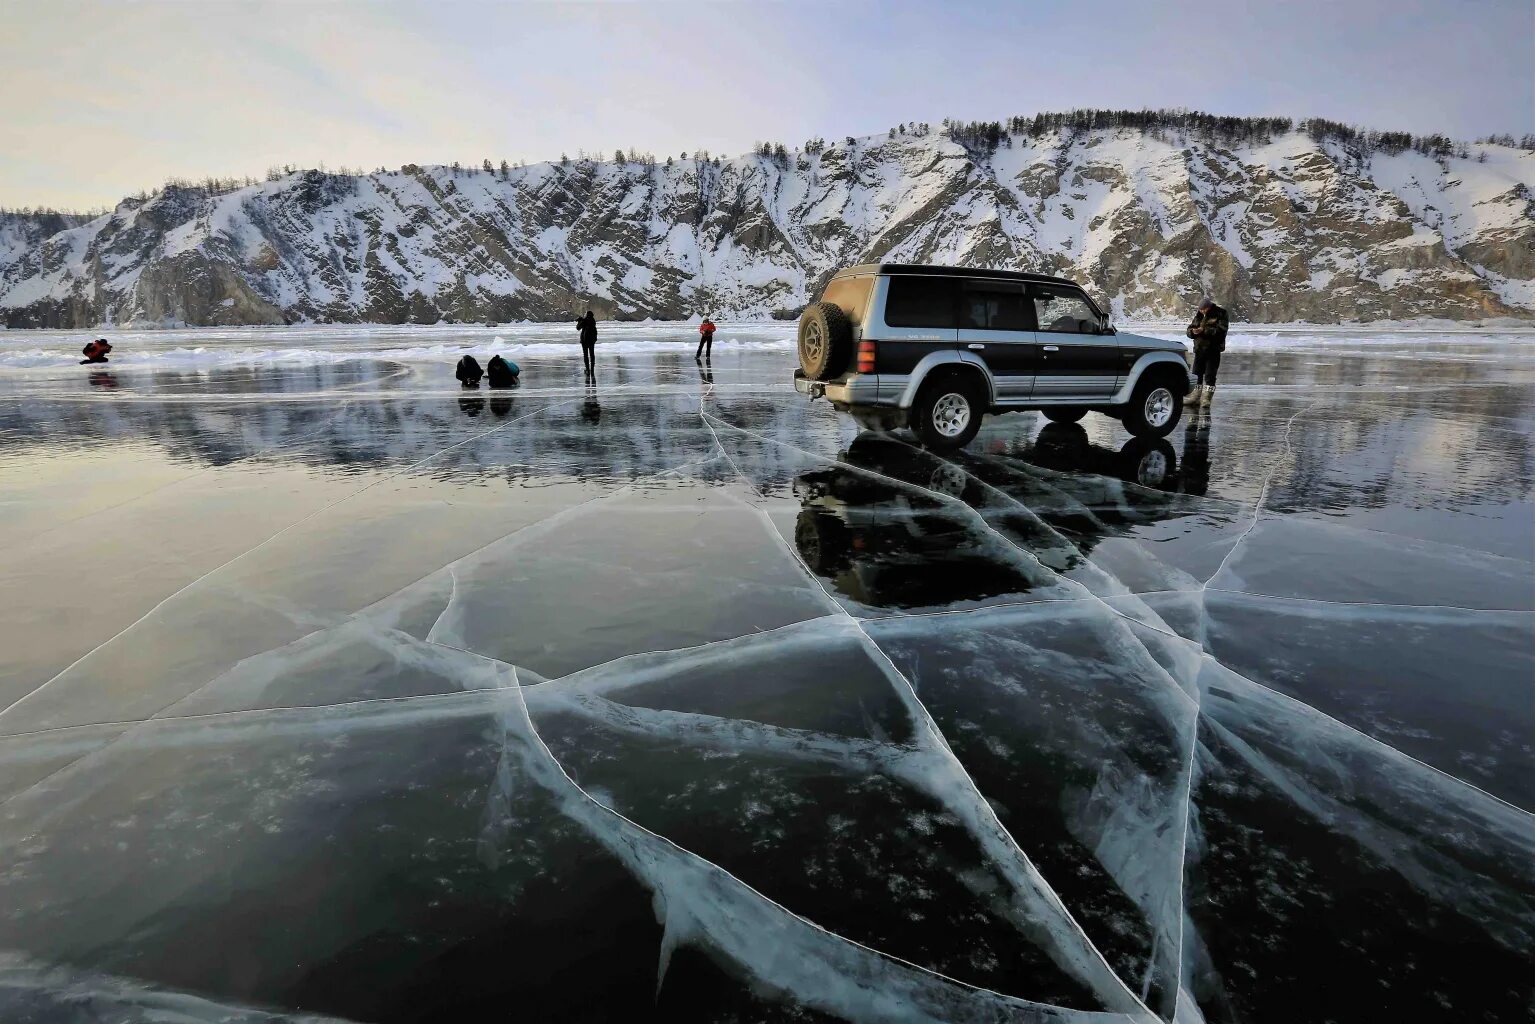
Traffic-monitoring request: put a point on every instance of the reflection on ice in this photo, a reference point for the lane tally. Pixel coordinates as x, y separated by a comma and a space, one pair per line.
1448, 686
680, 698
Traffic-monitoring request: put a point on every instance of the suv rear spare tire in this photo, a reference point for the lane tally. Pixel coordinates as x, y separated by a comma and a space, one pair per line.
948, 411
825, 341
1155, 405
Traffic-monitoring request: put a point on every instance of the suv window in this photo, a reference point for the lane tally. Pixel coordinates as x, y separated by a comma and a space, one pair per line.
851, 295
993, 305
1063, 310
920, 302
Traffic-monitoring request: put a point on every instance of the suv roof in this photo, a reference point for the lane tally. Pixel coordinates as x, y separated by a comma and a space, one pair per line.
935, 270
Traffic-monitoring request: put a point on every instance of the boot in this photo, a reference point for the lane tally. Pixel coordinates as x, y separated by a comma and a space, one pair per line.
1208, 398
1196, 397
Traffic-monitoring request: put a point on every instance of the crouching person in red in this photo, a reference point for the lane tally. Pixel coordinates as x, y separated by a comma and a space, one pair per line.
96, 351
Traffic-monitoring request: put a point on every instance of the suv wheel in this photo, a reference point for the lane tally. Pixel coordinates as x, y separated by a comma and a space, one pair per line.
1064, 413
821, 540
1148, 461
825, 341
1154, 408
948, 411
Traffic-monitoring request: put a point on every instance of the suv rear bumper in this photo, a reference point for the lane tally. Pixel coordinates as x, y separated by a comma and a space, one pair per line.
855, 389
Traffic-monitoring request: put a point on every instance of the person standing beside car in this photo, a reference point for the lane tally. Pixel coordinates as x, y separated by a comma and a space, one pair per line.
1208, 332
587, 325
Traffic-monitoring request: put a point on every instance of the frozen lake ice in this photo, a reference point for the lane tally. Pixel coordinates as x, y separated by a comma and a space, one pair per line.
330, 690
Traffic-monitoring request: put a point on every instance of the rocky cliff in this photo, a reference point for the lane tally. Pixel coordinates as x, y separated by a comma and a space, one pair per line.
1285, 227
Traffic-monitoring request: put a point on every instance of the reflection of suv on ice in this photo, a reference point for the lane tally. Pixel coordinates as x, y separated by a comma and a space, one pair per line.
866, 527
936, 348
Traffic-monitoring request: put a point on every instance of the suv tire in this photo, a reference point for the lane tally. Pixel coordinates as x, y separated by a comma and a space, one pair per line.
1149, 462
821, 540
948, 411
1155, 406
1064, 413
825, 341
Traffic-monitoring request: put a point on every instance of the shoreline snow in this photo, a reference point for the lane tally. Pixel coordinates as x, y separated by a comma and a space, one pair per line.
209, 347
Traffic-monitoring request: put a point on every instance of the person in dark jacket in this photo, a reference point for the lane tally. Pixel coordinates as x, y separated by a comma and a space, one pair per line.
1208, 332
705, 341
96, 351
587, 325
501, 374
469, 372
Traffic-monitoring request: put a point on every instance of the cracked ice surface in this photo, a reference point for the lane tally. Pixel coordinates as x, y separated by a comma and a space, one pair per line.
335, 693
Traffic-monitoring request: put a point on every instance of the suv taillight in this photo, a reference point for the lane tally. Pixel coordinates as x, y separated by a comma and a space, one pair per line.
866, 354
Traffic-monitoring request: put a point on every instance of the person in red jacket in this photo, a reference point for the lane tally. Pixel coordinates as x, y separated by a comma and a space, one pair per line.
96, 351
705, 341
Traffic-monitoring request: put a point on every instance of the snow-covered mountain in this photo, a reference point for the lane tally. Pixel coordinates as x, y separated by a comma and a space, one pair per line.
1284, 226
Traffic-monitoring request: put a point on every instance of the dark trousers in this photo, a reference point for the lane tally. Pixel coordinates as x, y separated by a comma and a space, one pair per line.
1207, 363
705, 347
589, 357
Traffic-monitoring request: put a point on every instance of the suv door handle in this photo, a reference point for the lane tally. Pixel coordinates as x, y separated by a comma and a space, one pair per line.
1052, 348
975, 348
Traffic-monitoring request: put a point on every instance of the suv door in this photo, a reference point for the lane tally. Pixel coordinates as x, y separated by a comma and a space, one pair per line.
1075, 360
994, 324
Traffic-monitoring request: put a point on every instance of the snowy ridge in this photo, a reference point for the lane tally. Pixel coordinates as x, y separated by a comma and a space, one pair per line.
1289, 229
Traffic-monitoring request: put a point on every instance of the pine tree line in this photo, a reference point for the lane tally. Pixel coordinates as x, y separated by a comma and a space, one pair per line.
980, 138
988, 136
774, 152
40, 212
1526, 142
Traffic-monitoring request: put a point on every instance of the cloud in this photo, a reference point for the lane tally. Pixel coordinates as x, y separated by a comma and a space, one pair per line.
105, 98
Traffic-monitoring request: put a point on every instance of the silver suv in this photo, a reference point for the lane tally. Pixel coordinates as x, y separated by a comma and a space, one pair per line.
935, 348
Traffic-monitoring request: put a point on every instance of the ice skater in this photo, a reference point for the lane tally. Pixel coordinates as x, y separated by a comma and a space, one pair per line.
96, 351
501, 374
1208, 332
705, 341
587, 325
468, 372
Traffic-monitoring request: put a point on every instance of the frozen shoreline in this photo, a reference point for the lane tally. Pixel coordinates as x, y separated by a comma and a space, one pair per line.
208, 347
1421, 325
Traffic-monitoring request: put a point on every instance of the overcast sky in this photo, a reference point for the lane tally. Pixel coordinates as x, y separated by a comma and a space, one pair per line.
100, 99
